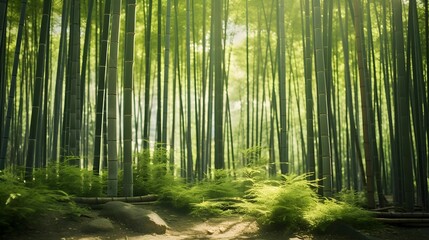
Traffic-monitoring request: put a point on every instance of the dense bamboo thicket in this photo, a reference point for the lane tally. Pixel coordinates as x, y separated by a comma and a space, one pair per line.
334, 89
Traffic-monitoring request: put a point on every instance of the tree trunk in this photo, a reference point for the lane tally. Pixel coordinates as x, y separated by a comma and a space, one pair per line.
112, 79
38, 85
322, 102
12, 91
130, 25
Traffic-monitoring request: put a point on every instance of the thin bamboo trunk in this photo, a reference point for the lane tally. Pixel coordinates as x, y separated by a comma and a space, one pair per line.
59, 78
3, 74
247, 81
147, 40
158, 76
418, 102
130, 25
37, 98
74, 98
12, 91
403, 108
112, 79
311, 165
166, 72
189, 158
86, 48
365, 88
101, 100
283, 141
217, 9
322, 102
175, 77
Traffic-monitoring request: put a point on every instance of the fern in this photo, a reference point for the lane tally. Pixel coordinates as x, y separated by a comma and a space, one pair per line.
19, 204
330, 211
281, 203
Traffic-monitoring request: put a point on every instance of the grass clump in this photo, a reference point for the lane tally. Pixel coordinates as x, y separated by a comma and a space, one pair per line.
20, 204
292, 203
153, 175
278, 203
208, 198
213, 208
331, 210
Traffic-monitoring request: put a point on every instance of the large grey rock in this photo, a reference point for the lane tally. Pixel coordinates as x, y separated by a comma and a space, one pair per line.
98, 225
135, 218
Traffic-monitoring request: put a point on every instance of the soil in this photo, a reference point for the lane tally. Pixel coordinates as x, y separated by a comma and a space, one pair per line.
182, 226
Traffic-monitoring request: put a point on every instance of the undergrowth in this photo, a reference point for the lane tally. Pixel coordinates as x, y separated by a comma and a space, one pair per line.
352, 197
153, 176
277, 203
329, 211
70, 179
20, 204
288, 201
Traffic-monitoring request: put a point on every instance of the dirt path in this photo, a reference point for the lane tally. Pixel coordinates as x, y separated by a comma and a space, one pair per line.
57, 226
181, 226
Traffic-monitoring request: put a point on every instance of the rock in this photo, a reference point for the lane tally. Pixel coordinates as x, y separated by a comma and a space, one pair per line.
98, 225
135, 218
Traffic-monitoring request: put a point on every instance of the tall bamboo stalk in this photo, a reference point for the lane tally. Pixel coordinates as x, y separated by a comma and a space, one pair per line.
147, 41
37, 98
283, 143
311, 165
101, 101
418, 102
130, 25
74, 85
12, 90
3, 25
322, 102
158, 76
217, 10
112, 79
166, 72
365, 88
189, 159
403, 108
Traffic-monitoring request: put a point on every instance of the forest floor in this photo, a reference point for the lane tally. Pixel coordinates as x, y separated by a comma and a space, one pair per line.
183, 226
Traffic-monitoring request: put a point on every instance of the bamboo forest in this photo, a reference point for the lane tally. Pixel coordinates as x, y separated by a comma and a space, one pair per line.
294, 112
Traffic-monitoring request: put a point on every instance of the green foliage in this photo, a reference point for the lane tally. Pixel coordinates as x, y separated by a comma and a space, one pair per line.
179, 196
289, 201
330, 211
19, 204
254, 156
222, 186
152, 177
200, 197
212, 209
292, 203
70, 179
281, 203
352, 197
142, 174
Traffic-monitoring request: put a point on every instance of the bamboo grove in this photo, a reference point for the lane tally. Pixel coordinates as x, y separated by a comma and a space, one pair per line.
335, 88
